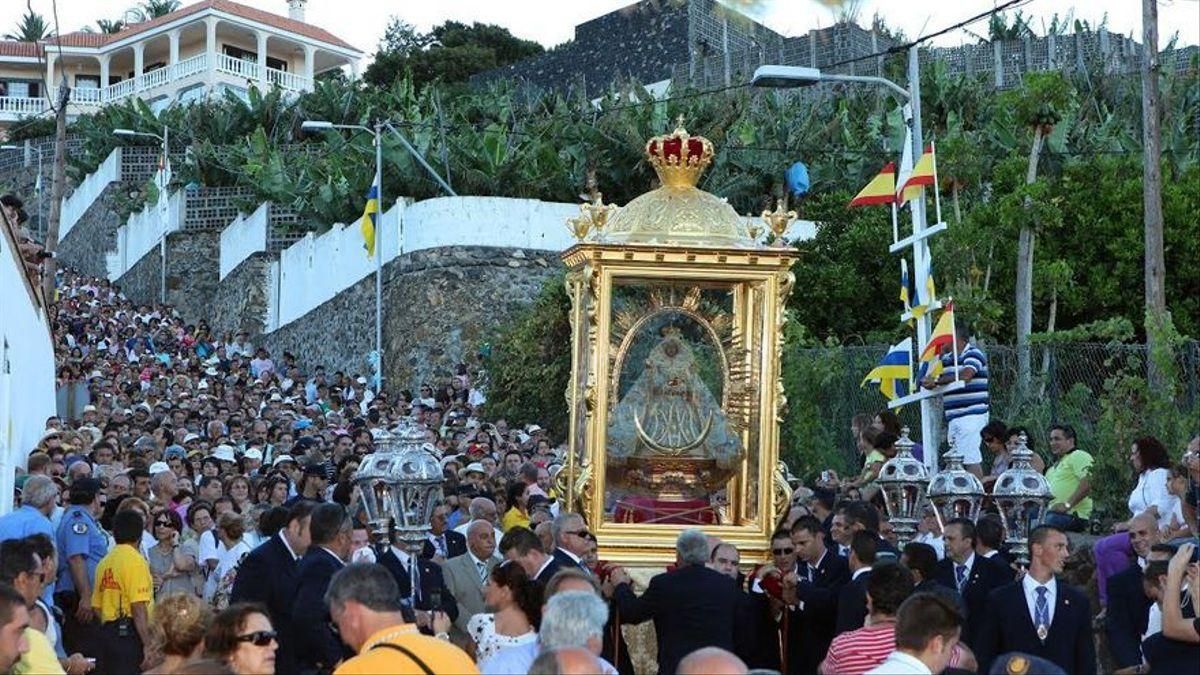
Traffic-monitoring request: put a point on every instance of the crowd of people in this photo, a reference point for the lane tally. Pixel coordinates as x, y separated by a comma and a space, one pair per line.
192, 510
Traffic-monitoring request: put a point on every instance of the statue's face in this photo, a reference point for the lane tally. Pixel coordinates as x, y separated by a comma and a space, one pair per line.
671, 348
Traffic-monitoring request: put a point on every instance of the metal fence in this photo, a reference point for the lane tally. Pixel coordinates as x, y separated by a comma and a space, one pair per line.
1069, 384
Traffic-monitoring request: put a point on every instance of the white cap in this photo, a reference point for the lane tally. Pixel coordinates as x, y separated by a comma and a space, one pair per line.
283, 458
158, 467
253, 453
223, 453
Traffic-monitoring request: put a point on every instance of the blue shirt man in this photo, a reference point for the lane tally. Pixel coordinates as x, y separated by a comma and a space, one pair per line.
39, 497
80, 535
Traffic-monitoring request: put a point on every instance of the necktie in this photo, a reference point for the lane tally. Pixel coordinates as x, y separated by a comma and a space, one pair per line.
414, 580
812, 572
482, 571
960, 575
1041, 613
441, 545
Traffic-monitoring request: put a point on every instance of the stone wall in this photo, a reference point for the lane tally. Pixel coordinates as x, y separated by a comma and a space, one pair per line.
193, 269
95, 234
439, 306
242, 298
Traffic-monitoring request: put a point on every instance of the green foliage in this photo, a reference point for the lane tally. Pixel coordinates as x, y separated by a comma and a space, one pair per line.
152, 9
31, 127
451, 52
31, 28
529, 364
1115, 330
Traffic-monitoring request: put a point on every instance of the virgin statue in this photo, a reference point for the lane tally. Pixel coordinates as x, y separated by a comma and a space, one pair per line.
669, 412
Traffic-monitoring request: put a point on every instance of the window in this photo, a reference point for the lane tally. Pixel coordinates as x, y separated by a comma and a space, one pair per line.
87, 81
20, 89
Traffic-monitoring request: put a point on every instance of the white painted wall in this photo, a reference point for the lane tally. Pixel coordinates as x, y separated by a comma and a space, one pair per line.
141, 233
488, 221
26, 371
74, 206
243, 237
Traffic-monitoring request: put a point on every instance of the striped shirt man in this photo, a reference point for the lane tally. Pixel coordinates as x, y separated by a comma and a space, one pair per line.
857, 651
972, 399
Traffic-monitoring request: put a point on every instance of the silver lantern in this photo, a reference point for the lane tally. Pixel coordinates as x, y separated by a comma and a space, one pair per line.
1021, 494
954, 491
903, 480
398, 486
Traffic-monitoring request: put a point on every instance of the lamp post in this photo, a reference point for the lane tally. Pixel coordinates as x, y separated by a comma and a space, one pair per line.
792, 77
164, 179
313, 126
903, 480
37, 186
398, 487
954, 491
1021, 494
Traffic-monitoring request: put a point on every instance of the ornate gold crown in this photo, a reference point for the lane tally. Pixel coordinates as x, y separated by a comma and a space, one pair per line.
679, 158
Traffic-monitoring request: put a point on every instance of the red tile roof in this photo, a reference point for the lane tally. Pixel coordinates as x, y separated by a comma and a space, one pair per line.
81, 39
14, 48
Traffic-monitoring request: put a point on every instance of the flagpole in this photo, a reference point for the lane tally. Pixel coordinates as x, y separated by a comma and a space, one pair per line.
937, 192
379, 229
895, 226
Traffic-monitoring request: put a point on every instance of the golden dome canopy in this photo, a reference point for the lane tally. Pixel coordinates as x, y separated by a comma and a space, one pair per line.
678, 213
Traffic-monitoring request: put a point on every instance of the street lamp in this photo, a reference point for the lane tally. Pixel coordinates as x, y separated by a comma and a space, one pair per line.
163, 179
903, 480
954, 491
313, 126
37, 186
1021, 494
777, 76
791, 77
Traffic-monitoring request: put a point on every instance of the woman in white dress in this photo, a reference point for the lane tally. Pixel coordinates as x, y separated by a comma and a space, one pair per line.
517, 602
230, 529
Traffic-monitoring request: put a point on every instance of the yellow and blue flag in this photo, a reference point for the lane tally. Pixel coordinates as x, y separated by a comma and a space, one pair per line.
370, 213
905, 284
930, 287
894, 372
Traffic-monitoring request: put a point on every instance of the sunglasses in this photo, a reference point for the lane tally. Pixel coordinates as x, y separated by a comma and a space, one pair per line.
783, 551
578, 533
163, 523
259, 638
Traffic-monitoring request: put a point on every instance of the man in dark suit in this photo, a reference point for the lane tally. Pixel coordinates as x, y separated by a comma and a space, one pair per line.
1040, 615
317, 647
692, 607
1128, 605
921, 559
269, 575
852, 599
858, 516
522, 546
442, 543
989, 540
972, 575
570, 540
431, 594
811, 595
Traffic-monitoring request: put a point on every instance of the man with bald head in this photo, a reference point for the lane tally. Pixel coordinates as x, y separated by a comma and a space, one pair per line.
567, 661
711, 661
467, 574
1128, 605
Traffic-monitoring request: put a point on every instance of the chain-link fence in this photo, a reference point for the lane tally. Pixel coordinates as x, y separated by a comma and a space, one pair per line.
1085, 385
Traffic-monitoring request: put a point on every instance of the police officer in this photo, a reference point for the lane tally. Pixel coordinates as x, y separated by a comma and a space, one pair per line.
81, 544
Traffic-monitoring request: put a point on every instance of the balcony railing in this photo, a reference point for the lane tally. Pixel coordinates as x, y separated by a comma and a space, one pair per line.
162, 77
21, 106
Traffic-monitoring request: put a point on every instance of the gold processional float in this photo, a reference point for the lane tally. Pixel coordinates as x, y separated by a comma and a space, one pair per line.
675, 396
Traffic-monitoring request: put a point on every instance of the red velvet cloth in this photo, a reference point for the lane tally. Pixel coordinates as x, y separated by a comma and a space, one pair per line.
638, 509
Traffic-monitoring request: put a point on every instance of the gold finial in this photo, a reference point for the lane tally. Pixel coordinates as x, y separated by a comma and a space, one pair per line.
579, 226
679, 124
753, 228
778, 220
593, 212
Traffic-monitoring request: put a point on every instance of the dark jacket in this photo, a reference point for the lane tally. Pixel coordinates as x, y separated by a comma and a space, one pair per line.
984, 576
810, 630
456, 544
692, 607
316, 646
269, 575
548, 572
1125, 620
564, 560
852, 604
1008, 627
433, 595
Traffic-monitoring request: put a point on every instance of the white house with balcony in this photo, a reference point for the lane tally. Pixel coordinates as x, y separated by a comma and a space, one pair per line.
202, 48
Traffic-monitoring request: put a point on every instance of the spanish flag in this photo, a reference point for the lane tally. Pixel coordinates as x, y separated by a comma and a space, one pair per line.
943, 334
370, 213
894, 372
881, 189
922, 175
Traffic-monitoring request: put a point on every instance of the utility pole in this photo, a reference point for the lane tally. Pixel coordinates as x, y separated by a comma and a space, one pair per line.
57, 187
1156, 299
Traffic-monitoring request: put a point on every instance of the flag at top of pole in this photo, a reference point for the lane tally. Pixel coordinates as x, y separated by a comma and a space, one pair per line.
881, 189
370, 213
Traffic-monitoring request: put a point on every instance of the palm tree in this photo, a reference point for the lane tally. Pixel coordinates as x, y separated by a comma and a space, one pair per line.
31, 28
152, 9
106, 26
